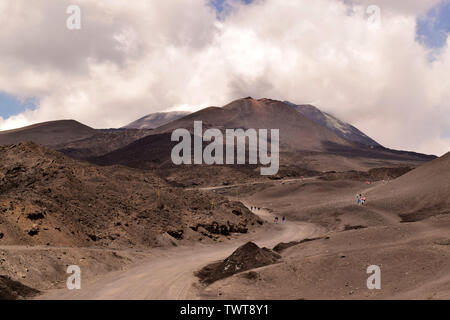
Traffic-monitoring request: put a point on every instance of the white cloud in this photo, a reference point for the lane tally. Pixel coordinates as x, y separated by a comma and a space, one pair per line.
144, 56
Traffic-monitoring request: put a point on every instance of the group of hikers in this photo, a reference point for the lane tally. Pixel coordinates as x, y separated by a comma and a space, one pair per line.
283, 220
276, 219
361, 199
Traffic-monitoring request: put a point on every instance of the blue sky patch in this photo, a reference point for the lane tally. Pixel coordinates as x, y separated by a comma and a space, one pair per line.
433, 28
222, 5
10, 105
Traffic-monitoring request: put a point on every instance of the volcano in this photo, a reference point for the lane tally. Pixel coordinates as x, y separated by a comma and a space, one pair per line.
303, 142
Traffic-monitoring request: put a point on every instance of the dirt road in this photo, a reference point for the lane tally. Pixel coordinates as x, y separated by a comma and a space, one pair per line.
170, 273
251, 184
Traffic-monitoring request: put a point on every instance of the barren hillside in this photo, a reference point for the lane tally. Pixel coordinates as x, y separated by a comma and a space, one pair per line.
48, 198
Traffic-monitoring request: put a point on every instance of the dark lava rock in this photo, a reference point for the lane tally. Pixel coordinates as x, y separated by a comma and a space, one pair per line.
35, 216
93, 237
246, 257
14, 290
33, 232
349, 227
222, 229
283, 246
237, 212
178, 234
441, 242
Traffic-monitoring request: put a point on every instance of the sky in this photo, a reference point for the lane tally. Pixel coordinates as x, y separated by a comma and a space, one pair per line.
433, 27
12, 105
387, 76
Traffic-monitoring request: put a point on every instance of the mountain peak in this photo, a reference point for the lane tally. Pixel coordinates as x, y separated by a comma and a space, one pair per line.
339, 127
155, 120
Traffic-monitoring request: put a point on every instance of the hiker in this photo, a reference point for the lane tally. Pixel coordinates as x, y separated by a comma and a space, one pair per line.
276, 220
284, 220
363, 200
358, 197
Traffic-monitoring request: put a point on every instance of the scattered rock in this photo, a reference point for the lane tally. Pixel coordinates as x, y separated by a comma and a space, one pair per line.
14, 290
237, 212
252, 275
33, 231
349, 227
246, 257
441, 242
222, 229
35, 216
93, 237
178, 234
283, 246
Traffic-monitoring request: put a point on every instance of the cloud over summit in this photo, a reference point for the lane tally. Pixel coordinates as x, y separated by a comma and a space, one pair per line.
133, 58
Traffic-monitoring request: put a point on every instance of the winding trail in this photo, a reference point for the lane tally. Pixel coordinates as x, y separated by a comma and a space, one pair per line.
169, 275
251, 184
